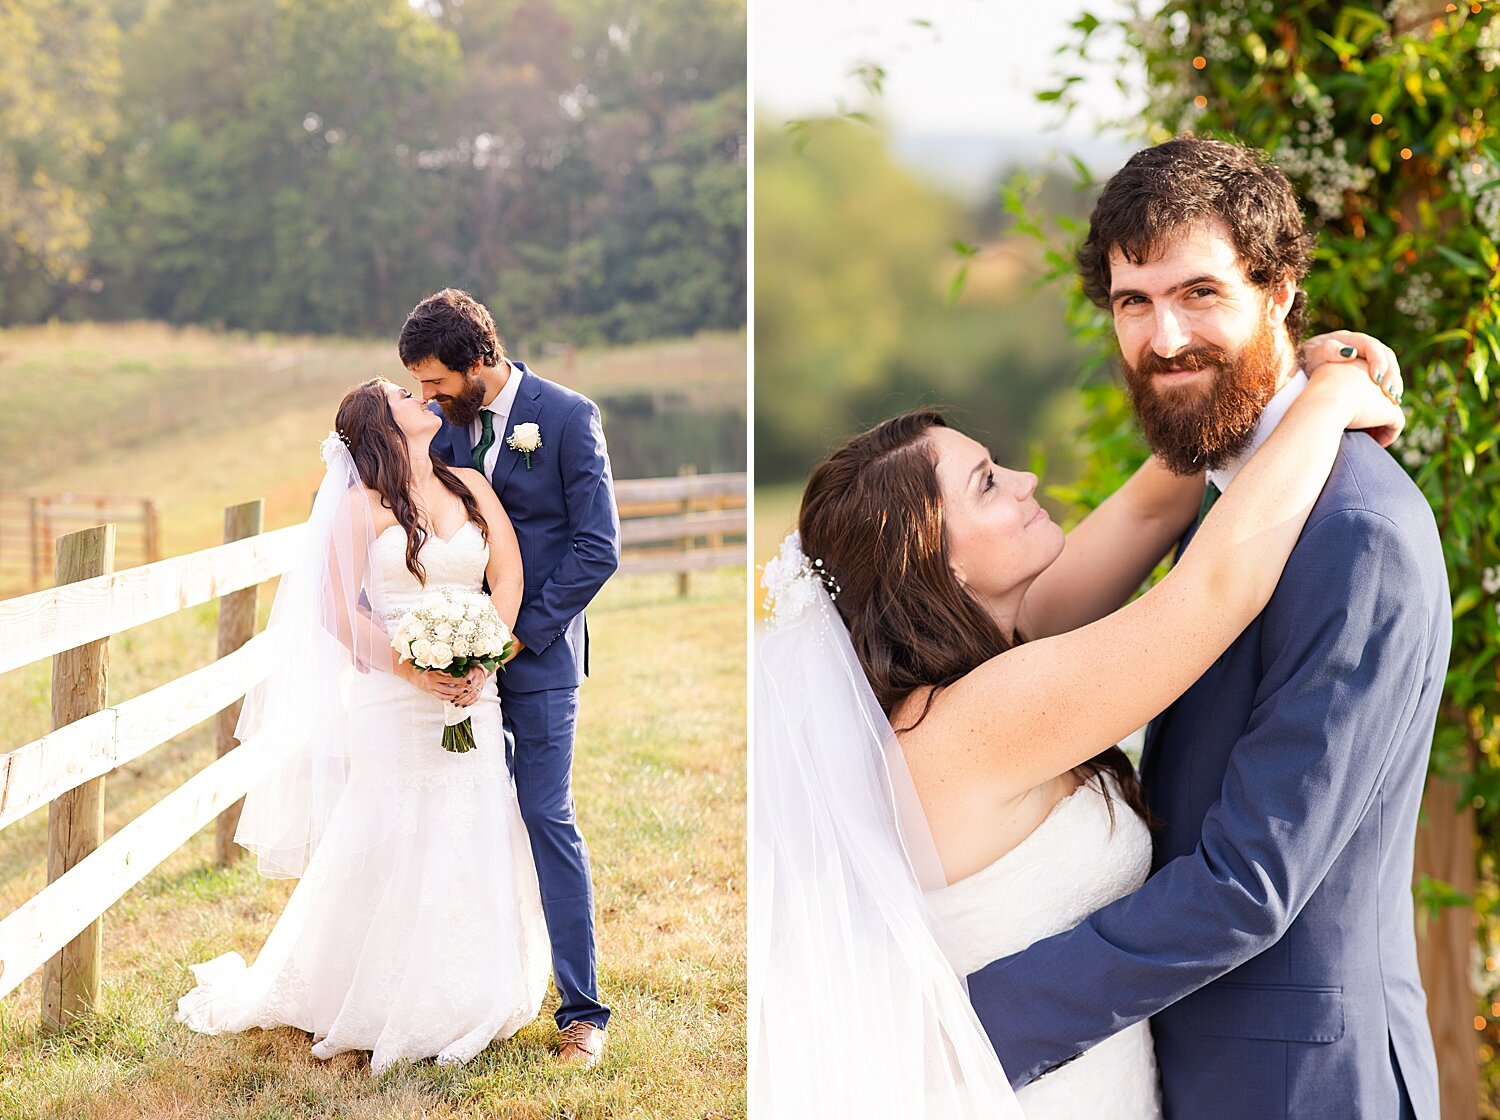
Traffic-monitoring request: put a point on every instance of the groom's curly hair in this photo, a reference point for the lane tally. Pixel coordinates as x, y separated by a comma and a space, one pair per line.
1162, 191
872, 512
453, 327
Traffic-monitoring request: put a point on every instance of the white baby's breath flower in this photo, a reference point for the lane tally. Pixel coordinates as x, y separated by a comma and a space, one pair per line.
331, 446
1490, 581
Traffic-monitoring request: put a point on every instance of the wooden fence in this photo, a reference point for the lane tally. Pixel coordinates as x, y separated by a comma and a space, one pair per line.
72, 622
690, 523
31, 523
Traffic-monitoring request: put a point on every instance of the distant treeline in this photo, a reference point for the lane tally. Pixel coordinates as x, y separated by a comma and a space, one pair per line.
320, 165
855, 259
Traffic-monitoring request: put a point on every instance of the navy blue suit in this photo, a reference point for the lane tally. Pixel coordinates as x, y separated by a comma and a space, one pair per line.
563, 510
1273, 943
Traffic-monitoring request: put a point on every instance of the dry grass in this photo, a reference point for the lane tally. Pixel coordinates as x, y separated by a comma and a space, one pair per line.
200, 420
660, 783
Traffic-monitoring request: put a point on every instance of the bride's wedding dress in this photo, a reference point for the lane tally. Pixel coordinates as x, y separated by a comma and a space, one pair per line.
432, 942
1073, 863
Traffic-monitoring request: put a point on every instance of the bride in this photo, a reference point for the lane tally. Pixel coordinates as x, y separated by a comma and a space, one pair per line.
416, 930
935, 785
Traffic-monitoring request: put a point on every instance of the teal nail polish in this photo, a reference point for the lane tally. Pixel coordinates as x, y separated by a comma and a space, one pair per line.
1379, 377
1346, 351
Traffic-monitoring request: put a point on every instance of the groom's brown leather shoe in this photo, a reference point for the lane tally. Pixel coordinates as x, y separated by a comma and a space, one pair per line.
580, 1044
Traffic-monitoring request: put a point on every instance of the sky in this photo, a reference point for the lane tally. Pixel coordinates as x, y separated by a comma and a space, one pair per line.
974, 71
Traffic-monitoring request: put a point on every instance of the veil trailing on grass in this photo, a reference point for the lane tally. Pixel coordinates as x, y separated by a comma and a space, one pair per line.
854, 1009
325, 635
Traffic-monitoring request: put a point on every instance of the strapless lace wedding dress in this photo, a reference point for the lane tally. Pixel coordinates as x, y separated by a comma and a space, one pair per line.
436, 945
1073, 863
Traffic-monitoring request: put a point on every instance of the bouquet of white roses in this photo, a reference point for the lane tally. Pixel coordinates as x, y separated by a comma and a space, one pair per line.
450, 631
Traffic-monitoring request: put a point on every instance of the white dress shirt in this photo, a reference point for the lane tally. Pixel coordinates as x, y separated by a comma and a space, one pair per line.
504, 400
1270, 416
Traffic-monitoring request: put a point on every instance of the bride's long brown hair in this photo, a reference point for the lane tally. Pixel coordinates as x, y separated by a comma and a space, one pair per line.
381, 455
873, 513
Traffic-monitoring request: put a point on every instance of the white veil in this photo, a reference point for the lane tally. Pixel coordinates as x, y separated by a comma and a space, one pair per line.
331, 660
854, 1008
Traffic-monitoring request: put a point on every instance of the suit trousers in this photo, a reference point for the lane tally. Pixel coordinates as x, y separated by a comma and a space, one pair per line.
539, 747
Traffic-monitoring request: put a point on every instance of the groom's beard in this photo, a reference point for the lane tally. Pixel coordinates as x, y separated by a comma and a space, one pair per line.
1198, 427
463, 408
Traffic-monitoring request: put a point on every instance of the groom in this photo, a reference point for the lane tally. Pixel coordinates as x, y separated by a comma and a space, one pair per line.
1273, 944
542, 448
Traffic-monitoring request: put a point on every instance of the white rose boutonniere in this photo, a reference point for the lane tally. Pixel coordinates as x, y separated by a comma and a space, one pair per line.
526, 438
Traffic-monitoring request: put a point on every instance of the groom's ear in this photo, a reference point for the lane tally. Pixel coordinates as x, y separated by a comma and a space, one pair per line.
1282, 297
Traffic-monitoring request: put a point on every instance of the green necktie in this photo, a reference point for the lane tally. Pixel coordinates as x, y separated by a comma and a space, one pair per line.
1210, 496
486, 438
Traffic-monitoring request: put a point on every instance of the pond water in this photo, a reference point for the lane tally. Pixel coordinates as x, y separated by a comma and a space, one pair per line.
654, 434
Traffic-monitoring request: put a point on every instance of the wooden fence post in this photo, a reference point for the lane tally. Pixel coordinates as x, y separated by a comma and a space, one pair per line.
1445, 850
34, 535
151, 530
236, 627
75, 821
687, 542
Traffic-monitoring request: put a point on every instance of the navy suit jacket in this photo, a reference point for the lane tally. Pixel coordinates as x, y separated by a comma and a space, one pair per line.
1273, 943
563, 510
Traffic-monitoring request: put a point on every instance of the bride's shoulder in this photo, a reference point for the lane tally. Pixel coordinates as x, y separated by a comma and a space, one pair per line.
908, 712
479, 487
471, 478
382, 517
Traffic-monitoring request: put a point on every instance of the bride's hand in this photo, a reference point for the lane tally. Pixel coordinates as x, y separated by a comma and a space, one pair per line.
1374, 408
470, 685
440, 685
1349, 346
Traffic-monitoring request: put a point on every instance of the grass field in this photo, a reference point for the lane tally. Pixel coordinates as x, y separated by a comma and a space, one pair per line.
201, 420
660, 784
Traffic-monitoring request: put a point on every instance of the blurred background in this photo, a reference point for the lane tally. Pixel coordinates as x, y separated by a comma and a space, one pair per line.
888, 271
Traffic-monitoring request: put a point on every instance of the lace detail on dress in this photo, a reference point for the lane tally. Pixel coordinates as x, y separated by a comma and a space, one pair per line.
435, 945
1072, 864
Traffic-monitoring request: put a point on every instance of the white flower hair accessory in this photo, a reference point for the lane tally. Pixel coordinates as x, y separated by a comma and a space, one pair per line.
330, 446
792, 582
526, 438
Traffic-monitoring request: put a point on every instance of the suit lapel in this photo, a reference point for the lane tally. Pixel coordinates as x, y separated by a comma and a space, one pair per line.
525, 410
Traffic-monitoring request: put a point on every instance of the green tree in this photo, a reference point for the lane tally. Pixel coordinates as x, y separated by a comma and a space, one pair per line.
59, 76
265, 180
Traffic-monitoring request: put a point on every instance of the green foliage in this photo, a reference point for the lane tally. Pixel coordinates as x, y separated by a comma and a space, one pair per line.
59, 74
1387, 120
844, 339
320, 165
